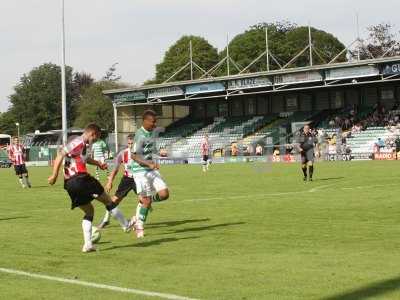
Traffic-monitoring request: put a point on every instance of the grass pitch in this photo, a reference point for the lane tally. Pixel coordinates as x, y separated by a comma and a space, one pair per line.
241, 231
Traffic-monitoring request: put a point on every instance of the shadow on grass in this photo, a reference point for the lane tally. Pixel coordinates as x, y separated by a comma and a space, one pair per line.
209, 227
329, 178
368, 291
145, 244
175, 223
40, 186
13, 218
102, 243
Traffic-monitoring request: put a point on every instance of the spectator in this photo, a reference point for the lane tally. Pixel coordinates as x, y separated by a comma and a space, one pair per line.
289, 149
276, 152
163, 152
234, 149
249, 149
380, 144
259, 150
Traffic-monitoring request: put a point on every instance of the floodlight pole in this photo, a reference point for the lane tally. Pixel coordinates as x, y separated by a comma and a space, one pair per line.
115, 128
63, 83
17, 124
310, 44
267, 46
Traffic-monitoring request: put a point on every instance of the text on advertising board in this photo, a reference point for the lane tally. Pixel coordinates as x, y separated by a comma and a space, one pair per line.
247, 83
127, 97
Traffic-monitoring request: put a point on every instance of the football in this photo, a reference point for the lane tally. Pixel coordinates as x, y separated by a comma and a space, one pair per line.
96, 235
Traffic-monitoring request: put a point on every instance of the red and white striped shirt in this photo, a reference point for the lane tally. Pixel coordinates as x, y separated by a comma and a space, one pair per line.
205, 147
16, 153
125, 157
75, 160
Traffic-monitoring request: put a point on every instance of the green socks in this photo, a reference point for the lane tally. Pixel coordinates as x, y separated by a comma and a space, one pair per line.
143, 212
155, 198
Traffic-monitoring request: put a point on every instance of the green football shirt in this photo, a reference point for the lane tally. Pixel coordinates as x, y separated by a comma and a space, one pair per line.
143, 146
99, 149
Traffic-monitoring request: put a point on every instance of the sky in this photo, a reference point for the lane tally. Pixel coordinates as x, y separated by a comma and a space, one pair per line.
136, 33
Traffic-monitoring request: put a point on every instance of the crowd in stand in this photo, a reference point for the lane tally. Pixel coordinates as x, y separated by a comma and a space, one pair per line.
350, 124
379, 117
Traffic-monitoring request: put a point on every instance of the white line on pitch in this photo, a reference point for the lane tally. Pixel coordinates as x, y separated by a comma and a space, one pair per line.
95, 285
313, 190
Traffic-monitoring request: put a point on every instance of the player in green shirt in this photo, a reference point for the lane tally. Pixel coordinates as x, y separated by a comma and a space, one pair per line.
99, 150
150, 185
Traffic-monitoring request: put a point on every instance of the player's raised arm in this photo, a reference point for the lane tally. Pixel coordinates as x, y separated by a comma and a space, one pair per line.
146, 163
114, 173
93, 162
56, 167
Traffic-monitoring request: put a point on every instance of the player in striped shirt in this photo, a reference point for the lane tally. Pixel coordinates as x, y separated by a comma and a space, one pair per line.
99, 151
16, 153
127, 182
205, 150
81, 187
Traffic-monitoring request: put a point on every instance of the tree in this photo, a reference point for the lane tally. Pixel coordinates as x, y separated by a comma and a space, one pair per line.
80, 82
110, 74
178, 55
285, 41
7, 123
325, 45
95, 107
36, 102
381, 41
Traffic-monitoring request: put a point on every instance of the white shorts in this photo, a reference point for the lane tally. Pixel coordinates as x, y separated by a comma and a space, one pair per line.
149, 182
100, 159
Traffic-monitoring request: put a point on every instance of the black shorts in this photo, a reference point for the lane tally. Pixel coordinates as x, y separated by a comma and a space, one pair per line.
20, 169
82, 189
205, 158
126, 185
307, 156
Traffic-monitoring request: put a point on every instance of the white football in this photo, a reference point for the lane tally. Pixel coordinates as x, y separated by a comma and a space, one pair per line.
96, 235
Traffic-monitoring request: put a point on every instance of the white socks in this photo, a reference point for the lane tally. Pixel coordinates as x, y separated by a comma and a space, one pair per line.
21, 181
117, 214
138, 210
87, 233
106, 217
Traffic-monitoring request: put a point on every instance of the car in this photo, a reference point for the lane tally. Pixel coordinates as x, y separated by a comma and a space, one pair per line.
5, 163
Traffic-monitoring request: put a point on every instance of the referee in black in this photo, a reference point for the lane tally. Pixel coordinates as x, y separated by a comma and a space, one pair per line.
307, 141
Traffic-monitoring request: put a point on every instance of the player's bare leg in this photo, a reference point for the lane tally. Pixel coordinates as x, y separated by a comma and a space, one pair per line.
97, 174
26, 180
88, 211
21, 181
143, 208
161, 195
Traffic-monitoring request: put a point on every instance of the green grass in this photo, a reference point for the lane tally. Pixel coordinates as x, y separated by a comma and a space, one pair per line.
241, 231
